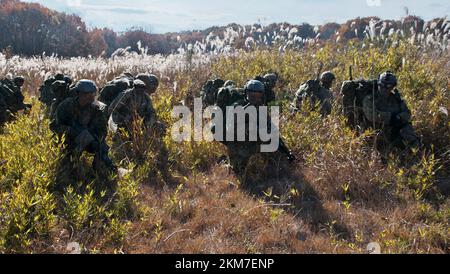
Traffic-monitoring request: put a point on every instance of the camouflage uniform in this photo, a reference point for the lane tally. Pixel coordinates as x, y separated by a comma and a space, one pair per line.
12, 94
270, 81
318, 93
62, 92
230, 96
46, 92
5, 114
392, 116
84, 128
209, 91
227, 96
388, 112
322, 96
131, 103
241, 152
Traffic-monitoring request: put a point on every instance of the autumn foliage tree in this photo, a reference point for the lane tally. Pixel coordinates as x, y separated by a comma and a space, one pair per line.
32, 29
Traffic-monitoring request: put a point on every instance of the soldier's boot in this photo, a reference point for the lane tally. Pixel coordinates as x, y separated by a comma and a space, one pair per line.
409, 136
102, 161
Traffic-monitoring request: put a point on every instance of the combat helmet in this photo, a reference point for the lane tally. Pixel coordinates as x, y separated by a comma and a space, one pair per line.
151, 81
327, 77
387, 80
271, 79
254, 86
85, 86
19, 81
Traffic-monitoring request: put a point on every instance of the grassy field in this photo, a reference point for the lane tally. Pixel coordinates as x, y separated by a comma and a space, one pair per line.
342, 195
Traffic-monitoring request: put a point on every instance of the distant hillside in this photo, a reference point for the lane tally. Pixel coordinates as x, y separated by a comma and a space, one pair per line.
32, 29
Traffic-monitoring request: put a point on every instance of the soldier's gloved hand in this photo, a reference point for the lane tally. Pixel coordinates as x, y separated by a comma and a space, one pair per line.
405, 117
109, 163
291, 157
83, 140
395, 119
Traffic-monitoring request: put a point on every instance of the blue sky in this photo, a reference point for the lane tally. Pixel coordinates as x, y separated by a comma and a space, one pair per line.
160, 16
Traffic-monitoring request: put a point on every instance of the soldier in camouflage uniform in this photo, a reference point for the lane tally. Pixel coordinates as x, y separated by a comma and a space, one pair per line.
241, 152
135, 103
223, 100
209, 91
270, 81
12, 97
5, 113
19, 81
230, 95
388, 112
62, 91
82, 121
317, 93
46, 94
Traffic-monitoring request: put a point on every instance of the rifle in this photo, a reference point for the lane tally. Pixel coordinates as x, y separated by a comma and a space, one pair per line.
319, 72
350, 69
285, 150
102, 153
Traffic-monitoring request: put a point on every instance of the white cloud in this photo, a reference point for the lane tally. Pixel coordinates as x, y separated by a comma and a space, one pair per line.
74, 3
177, 15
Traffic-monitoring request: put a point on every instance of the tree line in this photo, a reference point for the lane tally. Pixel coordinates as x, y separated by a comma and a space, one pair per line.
32, 29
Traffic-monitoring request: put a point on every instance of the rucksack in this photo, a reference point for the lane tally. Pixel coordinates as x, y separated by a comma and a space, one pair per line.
46, 94
353, 94
309, 87
112, 89
209, 93
230, 96
210, 90
238, 97
306, 90
7, 92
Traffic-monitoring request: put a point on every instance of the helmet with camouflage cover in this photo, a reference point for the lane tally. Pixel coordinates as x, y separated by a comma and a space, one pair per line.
218, 83
387, 80
255, 91
59, 77
85, 86
151, 81
254, 86
327, 78
223, 96
271, 79
19, 81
